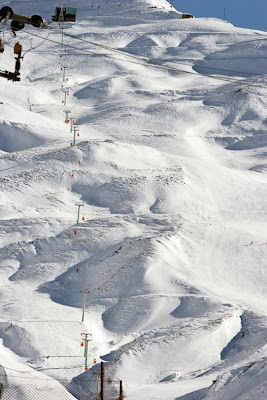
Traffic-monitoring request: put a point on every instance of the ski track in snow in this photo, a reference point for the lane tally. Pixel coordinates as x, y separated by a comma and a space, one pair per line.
171, 171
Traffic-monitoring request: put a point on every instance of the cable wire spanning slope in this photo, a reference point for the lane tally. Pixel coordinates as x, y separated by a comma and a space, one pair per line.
148, 62
167, 217
144, 58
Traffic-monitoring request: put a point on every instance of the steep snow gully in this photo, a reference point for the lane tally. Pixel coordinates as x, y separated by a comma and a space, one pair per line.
167, 164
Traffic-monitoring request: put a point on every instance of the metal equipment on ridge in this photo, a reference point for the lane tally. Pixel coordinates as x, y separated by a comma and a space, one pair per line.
14, 76
65, 14
18, 21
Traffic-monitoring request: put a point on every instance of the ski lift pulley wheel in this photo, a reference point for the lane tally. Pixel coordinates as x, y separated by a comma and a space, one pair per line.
16, 25
4, 12
37, 20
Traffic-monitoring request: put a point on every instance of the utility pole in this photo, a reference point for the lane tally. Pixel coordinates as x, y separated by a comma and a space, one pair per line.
85, 292
102, 376
87, 337
224, 13
75, 131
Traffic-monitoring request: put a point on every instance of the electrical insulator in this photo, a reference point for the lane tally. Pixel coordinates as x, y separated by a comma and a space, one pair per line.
83, 218
75, 232
86, 368
78, 134
82, 344
72, 175
17, 48
94, 361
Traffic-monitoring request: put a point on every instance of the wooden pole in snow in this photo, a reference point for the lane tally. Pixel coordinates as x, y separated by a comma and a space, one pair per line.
121, 397
102, 381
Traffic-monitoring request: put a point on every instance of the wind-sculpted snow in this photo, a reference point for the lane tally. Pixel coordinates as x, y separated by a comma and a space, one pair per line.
170, 168
237, 57
246, 382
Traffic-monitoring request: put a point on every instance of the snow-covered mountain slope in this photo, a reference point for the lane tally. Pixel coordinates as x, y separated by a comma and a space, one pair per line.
170, 168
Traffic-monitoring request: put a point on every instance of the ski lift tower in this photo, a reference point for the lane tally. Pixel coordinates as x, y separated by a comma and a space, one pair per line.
61, 15
65, 14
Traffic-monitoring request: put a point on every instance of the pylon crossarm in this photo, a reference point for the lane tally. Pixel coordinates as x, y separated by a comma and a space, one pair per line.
10, 76
26, 20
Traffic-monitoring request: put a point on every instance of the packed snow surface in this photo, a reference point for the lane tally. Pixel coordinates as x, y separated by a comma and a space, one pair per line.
169, 173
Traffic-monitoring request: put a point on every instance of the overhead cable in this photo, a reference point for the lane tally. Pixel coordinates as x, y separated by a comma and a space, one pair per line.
147, 62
